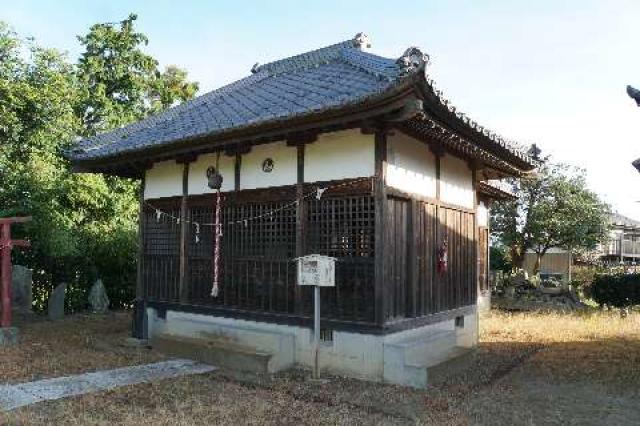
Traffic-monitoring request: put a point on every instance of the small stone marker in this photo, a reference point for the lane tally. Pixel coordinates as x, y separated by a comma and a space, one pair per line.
98, 298
21, 288
8, 336
56, 302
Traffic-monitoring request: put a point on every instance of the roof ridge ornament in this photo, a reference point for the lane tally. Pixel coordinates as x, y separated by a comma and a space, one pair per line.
255, 68
362, 41
412, 59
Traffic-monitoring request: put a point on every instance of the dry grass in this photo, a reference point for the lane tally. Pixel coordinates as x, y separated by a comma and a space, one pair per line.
590, 345
74, 345
529, 369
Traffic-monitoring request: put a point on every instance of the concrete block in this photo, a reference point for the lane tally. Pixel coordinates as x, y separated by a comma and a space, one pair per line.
219, 353
484, 301
8, 336
402, 358
273, 339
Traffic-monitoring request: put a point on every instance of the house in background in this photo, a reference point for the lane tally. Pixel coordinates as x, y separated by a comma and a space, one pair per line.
624, 241
556, 263
336, 151
623, 247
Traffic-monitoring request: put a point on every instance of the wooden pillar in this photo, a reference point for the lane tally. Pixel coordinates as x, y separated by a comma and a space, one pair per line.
413, 234
436, 279
237, 168
380, 200
140, 271
476, 235
438, 155
300, 221
184, 273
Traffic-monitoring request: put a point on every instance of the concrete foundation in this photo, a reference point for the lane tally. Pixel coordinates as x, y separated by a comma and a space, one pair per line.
400, 358
8, 336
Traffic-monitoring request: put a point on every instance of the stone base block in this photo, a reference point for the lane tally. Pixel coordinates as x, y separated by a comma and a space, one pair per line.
8, 336
401, 358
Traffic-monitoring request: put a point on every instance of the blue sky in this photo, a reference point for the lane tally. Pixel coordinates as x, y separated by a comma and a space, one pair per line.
549, 72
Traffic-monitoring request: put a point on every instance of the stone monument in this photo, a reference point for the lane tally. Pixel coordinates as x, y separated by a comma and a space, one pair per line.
21, 289
56, 302
98, 298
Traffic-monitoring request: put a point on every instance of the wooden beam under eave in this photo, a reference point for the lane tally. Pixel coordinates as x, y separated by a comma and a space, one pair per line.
302, 138
186, 158
238, 149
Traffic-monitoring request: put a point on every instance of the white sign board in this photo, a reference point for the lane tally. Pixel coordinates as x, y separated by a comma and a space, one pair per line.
318, 270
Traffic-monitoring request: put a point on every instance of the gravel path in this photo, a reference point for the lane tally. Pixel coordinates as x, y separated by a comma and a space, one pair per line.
23, 394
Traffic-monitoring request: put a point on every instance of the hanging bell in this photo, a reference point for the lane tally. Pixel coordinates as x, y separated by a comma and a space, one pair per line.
215, 178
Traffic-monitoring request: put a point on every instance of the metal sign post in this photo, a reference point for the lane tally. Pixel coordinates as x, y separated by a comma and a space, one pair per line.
318, 271
316, 331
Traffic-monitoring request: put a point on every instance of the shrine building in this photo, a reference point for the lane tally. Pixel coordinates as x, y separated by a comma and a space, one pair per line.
338, 152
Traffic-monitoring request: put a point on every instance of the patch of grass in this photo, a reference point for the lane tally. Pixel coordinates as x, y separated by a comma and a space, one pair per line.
530, 368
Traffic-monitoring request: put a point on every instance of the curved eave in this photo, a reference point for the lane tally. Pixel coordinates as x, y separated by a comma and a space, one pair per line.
494, 193
370, 107
430, 132
441, 111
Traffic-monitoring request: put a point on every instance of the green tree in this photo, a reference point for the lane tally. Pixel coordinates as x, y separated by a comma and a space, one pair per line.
170, 88
120, 82
552, 208
84, 225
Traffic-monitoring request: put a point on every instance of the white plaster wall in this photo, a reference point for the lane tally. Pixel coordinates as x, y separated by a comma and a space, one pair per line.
339, 155
456, 185
411, 167
482, 216
164, 179
285, 170
198, 183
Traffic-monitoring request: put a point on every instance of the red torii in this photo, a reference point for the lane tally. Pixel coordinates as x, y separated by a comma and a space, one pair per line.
6, 244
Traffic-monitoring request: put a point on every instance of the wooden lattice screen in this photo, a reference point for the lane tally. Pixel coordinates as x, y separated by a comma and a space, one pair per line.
258, 257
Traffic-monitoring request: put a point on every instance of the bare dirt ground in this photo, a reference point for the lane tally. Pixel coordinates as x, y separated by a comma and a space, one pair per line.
581, 369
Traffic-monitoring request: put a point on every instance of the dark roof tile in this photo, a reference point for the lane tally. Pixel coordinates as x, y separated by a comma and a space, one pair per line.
330, 77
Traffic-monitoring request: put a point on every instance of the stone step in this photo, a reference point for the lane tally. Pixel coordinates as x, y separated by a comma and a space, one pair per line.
445, 355
218, 352
428, 350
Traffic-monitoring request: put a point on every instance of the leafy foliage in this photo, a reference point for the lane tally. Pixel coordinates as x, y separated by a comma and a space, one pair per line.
552, 208
84, 225
499, 259
617, 290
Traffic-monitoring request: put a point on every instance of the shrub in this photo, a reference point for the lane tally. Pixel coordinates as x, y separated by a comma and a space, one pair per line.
618, 290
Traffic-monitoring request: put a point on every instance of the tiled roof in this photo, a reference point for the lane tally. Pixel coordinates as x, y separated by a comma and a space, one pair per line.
329, 78
619, 220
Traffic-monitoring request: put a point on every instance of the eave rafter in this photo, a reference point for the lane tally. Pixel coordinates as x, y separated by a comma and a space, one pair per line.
442, 139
